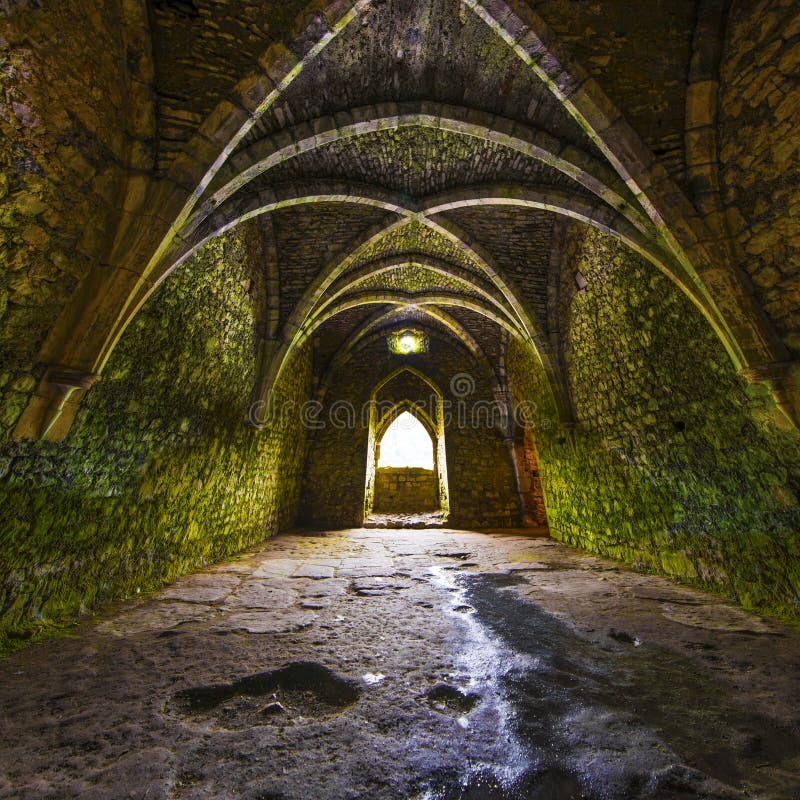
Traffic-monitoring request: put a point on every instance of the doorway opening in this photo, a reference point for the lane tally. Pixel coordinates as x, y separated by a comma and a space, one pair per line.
406, 443
405, 478
406, 466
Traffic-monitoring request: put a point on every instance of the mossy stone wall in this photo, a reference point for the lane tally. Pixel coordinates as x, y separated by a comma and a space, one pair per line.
675, 465
75, 111
159, 474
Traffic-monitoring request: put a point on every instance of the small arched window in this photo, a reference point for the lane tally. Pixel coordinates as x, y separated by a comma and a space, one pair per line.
406, 443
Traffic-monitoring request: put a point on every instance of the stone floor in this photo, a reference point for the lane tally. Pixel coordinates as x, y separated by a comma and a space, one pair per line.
409, 664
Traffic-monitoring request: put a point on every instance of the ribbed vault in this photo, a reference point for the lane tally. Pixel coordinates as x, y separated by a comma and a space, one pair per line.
407, 158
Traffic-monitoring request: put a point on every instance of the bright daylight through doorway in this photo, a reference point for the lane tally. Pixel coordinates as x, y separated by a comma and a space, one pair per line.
406, 443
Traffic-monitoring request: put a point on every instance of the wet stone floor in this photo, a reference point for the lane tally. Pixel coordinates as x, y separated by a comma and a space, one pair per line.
427, 664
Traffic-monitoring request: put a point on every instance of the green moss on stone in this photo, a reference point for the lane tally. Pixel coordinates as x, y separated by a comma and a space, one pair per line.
675, 466
159, 475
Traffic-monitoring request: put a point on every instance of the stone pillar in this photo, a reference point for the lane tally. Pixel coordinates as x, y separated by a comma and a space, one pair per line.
783, 379
55, 403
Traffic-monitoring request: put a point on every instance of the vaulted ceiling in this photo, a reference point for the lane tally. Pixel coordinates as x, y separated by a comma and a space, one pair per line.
417, 160
411, 169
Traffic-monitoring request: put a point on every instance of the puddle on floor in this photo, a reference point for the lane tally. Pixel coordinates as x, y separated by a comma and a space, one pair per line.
291, 694
482, 663
595, 722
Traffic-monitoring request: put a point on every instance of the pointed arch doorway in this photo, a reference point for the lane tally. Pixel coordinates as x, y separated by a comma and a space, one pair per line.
406, 461
405, 477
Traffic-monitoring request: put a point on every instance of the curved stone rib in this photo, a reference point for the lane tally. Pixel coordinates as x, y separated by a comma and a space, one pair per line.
392, 263
265, 154
420, 299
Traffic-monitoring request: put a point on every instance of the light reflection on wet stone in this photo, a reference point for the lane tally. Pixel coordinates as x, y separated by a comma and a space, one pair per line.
482, 667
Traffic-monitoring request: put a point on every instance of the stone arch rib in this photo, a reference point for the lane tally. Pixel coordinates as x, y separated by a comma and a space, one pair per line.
263, 155
746, 335
82, 337
389, 264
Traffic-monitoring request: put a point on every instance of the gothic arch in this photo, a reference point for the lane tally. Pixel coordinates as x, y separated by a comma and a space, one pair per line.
379, 323
156, 230
440, 454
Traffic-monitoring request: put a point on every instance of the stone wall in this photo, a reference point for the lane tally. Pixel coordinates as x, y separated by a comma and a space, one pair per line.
639, 53
759, 152
74, 113
159, 475
480, 472
405, 490
676, 466
223, 40
530, 482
